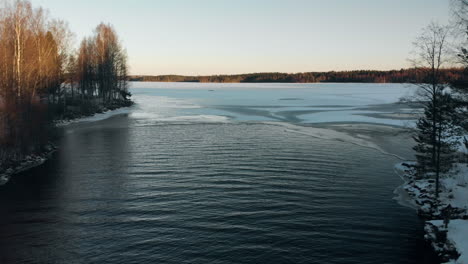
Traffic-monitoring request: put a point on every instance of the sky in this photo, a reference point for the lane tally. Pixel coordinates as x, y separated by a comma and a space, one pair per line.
204, 37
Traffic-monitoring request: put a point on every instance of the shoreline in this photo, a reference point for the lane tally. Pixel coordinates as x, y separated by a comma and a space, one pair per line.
442, 225
93, 118
29, 162
35, 160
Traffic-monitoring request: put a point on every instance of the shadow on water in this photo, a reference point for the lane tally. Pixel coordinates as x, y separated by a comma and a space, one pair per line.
38, 206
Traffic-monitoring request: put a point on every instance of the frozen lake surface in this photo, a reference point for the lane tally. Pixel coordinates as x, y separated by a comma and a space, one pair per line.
296, 103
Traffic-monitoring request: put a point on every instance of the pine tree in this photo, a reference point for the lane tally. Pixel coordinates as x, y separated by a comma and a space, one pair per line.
436, 138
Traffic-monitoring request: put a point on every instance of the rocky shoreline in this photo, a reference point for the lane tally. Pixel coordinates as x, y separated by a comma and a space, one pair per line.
29, 162
443, 220
72, 114
37, 159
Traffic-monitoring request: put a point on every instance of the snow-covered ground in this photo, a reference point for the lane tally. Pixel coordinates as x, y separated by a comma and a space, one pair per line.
456, 238
458, 235
96, 117
454, 188
420, 194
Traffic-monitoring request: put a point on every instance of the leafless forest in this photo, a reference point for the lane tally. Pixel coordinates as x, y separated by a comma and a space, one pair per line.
43, 77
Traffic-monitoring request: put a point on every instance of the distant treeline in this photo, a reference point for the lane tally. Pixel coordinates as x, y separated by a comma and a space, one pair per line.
43, 79
362, 76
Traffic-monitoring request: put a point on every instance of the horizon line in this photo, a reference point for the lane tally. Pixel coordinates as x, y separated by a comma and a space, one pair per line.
266, 72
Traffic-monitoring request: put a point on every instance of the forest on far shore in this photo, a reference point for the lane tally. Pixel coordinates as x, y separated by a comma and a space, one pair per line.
361, 76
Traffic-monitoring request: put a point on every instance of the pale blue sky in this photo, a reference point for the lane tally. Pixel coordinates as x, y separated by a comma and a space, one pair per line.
240, 36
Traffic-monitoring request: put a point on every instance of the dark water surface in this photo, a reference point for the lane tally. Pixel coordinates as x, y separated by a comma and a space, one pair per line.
119, 192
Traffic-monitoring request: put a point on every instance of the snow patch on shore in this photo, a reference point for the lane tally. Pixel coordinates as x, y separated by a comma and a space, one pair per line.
96, 117
458, 235
456, 238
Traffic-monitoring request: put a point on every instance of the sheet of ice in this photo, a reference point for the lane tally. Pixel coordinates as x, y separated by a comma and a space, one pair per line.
151, 109
317, 94
188, 103
330, 134
353, 116
293, 103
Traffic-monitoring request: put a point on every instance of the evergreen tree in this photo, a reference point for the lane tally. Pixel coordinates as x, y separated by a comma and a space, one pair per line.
437, 128
436, 138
